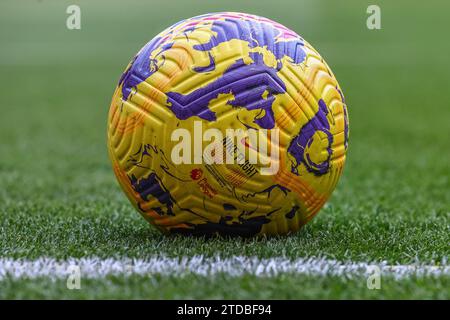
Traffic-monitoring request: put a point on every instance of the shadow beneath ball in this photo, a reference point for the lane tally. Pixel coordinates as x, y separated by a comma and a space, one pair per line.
246, 229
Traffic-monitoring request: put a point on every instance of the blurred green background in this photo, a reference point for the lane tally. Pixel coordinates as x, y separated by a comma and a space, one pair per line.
58, 195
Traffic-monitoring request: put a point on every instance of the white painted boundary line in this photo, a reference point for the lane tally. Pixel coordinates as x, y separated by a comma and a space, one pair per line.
206, 266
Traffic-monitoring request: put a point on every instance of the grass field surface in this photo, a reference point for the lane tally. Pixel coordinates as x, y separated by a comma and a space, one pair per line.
59, 199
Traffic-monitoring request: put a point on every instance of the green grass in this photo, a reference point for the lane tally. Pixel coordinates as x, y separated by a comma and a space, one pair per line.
220, 287
59, 197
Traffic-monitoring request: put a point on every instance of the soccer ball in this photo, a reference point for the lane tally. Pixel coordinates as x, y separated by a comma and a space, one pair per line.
229, 124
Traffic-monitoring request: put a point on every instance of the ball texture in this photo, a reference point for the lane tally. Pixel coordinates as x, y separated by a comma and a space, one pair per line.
228, 70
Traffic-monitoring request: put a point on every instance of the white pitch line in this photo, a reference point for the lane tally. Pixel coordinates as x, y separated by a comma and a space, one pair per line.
206, 266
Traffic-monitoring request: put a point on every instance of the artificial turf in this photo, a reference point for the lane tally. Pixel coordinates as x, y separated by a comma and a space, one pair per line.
59, 197
221, 287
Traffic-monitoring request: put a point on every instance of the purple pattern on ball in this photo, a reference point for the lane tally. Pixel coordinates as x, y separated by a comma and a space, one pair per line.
247, 83
305, 138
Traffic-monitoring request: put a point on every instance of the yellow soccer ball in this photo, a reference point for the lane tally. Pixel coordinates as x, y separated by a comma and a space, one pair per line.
229, 124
